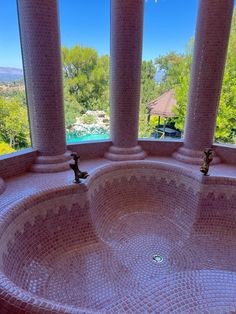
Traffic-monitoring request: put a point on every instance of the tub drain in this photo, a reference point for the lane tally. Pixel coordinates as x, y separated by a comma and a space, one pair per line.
158, 258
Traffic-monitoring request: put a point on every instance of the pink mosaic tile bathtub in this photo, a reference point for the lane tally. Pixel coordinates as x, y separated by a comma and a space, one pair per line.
137, 237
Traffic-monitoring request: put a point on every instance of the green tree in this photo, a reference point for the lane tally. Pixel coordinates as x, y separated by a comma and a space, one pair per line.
182, 88
71, 106
149, 91
14, 127
100, 81
226, 118
149, 87
86, 81
171, 66
5, 148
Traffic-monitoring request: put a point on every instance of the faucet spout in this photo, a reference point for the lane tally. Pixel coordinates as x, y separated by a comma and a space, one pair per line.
78, 173
207, 159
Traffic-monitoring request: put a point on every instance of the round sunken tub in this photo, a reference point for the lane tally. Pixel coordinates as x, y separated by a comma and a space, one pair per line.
136, 237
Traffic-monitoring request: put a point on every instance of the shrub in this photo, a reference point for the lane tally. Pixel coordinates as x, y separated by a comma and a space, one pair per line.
89, 119
5, 148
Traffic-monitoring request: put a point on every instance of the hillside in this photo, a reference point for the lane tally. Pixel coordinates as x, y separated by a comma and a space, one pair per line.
10, 89
10, 74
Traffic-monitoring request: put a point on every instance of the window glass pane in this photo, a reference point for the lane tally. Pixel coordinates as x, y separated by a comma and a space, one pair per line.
14, 125
226, 119
169, 28
85, 33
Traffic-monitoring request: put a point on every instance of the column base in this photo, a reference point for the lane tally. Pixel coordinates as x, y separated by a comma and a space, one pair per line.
47, 164
194, 157
125, 154
2, 186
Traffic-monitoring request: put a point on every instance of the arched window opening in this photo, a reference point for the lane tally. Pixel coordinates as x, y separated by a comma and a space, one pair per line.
14, 124
169, 28
85, 33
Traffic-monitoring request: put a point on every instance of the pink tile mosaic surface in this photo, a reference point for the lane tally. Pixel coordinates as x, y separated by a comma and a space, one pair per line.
125, 70
125, 74
137, 237
40, 41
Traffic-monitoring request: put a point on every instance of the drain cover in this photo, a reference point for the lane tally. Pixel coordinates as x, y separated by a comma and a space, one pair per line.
158, 258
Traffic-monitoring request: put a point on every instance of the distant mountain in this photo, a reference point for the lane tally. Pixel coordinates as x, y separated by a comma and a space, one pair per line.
10, 74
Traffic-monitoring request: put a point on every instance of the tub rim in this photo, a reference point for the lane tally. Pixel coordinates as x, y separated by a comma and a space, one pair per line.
13, 294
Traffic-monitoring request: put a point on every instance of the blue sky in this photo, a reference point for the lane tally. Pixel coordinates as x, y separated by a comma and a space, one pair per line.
168, 26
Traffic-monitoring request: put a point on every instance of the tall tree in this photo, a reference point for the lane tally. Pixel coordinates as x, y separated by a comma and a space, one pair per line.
149, 91
149, 87
171, 66
226, 119
14, 127
86, 79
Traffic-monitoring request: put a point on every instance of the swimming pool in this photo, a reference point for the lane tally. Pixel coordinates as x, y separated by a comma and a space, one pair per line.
89, 137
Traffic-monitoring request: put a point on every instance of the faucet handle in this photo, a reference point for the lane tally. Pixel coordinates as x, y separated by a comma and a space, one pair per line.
75, 156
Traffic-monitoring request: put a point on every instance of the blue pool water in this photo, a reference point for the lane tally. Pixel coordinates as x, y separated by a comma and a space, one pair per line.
89, 137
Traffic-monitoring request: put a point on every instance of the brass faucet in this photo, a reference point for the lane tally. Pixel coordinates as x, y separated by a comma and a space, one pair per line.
207, 159
78, 174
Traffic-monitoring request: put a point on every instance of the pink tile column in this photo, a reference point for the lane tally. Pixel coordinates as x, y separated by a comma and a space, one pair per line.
126, 58
211, 40
2, 186
41, 52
